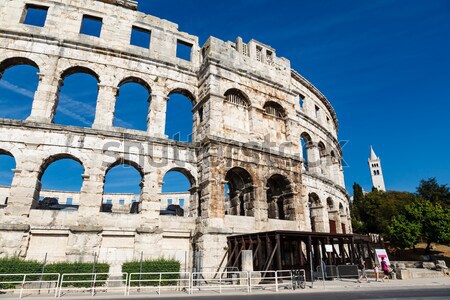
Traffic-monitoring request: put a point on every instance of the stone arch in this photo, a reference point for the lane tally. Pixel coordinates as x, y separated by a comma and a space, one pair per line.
241, 192
8, 176
20, 84
55, 157
179, 123
333, 217
185, 172
16, 61
119, 204
73, 112
274, 109
315, 211
132, 103
178, 195
322, 157
306, 143
49, 200
138, 80
123, 161
183, 91
79, 69
238, 97
280, 198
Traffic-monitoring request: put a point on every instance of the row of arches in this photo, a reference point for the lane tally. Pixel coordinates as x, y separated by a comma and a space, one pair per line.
317, 158
239, 186
77, 98
66, 173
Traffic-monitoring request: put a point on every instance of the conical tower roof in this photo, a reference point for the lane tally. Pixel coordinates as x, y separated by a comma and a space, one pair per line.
373, 156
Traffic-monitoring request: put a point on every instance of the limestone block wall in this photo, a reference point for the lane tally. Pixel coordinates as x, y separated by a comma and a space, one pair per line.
248, 123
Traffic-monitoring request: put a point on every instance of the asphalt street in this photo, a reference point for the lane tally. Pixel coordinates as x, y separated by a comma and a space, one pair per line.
404, 293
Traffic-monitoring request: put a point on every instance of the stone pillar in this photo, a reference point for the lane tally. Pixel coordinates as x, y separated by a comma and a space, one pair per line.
45, 98
150, 196
314, 164
91, 197
156, 121
104, 111
24, 193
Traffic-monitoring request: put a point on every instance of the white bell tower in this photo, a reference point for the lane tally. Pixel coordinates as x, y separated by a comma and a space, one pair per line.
375, 171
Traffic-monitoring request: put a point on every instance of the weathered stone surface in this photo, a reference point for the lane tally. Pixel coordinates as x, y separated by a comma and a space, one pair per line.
428, 265
248, 124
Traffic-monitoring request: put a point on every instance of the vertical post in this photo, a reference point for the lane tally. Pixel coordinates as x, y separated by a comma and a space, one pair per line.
311, 264
277, 237
42, 273
140, 271
322, 269
23, 283
93, 274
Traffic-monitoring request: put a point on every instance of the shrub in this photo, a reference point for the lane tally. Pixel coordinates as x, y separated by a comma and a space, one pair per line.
154, 266
20, 266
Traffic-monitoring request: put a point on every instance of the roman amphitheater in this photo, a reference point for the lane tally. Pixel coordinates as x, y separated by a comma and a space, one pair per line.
260, 130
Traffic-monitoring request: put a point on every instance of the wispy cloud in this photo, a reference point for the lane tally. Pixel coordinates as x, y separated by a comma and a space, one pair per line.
16, 89
68, 106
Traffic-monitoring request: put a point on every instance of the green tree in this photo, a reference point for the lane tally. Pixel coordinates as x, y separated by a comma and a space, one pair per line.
420, 218
431, 190
357, 208
403, 233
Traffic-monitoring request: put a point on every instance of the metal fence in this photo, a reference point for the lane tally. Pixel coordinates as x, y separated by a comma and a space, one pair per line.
186, 282
176, 281
44, 282
93, 282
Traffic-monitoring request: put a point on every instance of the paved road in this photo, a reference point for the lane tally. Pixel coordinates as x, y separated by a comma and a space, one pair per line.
403, 294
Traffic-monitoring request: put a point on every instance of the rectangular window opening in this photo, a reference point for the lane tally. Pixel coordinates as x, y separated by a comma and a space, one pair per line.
301, 100
181, 202
109, 201
122, 202
184, 50
69, 201
91, 25
35, 15
317, 111
140, 37
169, 201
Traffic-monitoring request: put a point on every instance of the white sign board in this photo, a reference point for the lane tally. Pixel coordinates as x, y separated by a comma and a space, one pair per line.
382, 253
329, 248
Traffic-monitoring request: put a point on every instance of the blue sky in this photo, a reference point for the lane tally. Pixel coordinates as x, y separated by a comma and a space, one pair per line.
384, 65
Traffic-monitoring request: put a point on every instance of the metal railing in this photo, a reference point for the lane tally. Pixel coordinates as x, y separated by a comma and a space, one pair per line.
96, 282
237, 280
30, 282
188, 282
177, 281
270, 279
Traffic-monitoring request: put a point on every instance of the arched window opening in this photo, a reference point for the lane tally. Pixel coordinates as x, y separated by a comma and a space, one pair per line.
179, 117
235, 96
274, 109
60, 183
341, 209
332, 215
306, 143
7, 164
77, 98
176, 193
314, 211
322, 154
279, 198
238, 117
122, 189
239, 196
132, 105
18, 83
330, 204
